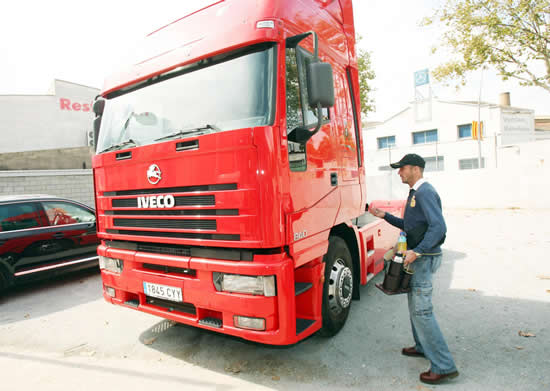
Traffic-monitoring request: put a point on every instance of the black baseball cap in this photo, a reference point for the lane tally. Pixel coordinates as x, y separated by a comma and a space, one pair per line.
411, 159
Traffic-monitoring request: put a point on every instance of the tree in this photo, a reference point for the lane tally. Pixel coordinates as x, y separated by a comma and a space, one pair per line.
512, 36
366, 75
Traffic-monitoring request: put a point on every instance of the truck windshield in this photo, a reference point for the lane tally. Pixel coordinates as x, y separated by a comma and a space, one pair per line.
227, 92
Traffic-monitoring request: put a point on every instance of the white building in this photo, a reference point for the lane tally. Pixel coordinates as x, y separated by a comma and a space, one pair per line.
441, 132
59, 119
50, 131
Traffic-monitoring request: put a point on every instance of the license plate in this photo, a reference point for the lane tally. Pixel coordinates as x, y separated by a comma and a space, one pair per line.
162, 291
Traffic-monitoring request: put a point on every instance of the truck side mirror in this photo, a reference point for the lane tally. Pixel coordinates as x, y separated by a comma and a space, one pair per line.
320, 84
98, 108
320, 88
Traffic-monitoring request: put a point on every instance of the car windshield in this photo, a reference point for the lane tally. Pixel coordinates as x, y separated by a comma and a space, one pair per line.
226, 92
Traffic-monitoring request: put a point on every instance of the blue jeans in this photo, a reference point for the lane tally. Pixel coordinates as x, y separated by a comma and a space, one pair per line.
427, 335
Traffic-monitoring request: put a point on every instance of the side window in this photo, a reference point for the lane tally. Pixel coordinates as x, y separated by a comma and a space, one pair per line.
19, 216
294, 118
298, 111
61, 213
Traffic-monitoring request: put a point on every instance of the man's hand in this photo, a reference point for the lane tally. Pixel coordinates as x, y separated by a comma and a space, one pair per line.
377, 212
410, 257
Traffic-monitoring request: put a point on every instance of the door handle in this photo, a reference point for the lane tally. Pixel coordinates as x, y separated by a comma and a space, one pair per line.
58, 235
334, 179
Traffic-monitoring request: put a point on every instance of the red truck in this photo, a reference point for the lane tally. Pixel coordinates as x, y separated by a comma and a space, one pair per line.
229, 178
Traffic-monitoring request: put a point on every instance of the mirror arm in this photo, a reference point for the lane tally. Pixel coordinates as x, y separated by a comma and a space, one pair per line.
292, 42
301, 135
319, 119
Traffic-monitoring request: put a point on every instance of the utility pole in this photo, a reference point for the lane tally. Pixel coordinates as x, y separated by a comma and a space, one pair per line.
480, 129
496, 161
436, 154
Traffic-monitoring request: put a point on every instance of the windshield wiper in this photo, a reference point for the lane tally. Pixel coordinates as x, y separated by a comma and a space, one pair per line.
205, 129
121, 145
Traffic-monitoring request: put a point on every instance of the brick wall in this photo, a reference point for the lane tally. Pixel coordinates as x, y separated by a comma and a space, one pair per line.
76, 185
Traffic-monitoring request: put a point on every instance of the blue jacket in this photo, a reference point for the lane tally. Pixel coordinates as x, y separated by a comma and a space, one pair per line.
423, 208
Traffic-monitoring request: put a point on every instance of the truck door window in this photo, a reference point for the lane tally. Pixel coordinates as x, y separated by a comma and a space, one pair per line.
298, 111
294, 118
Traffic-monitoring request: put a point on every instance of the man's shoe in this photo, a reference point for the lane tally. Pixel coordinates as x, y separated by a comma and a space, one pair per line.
411, 352
433, 378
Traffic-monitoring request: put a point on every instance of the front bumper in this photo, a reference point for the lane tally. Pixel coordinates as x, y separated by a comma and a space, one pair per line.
203, 305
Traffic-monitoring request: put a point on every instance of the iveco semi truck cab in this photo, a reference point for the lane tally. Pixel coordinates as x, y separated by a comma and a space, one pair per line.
229, 174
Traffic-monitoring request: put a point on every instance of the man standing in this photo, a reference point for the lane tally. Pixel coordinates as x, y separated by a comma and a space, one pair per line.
425, 228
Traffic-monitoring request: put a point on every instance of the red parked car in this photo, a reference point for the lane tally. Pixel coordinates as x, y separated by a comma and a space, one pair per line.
42, 235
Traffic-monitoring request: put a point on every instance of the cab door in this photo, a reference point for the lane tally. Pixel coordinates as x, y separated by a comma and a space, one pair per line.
313, 168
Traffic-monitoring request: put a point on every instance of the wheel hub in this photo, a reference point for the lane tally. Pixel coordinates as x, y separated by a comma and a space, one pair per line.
340, 287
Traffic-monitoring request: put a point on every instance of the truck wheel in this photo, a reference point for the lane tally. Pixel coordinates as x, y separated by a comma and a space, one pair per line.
338, 287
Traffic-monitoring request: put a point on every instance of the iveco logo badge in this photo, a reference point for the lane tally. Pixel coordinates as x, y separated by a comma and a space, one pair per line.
153, 174
166, 201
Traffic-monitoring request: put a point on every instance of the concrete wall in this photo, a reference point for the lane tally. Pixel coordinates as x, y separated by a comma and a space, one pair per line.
522, 180
50, 159
77, 185
489, 188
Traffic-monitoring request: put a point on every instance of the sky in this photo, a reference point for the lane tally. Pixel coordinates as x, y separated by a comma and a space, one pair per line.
42, 41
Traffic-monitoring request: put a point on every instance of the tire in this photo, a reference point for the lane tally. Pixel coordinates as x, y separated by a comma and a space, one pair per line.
338, 287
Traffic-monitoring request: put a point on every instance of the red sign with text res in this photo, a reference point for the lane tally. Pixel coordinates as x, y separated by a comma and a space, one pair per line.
67, 104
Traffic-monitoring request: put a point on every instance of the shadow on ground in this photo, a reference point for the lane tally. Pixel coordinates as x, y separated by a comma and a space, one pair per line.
56, 294
482, 332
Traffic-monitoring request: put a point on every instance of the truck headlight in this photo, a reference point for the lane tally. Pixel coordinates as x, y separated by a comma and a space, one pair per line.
255, 285
111, 264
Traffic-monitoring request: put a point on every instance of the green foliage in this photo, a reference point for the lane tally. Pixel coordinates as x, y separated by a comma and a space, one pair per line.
513, 36
366, 75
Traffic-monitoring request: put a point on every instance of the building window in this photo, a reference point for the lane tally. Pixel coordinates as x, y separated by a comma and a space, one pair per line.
434, 163
470, 164
465, 131
386, 142
428, 136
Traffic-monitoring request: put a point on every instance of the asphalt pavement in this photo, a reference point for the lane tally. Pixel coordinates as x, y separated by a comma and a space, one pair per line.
491, 298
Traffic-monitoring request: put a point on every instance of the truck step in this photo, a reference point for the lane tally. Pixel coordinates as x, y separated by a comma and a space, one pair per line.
301, 287
303, 324
132, 303
212, 322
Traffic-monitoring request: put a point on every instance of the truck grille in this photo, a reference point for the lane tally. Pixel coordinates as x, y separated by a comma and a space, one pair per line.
187, 308
183, 235
196, 210
181, 189
230, 254
206, 200
209, 225
173, 212
170, 269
